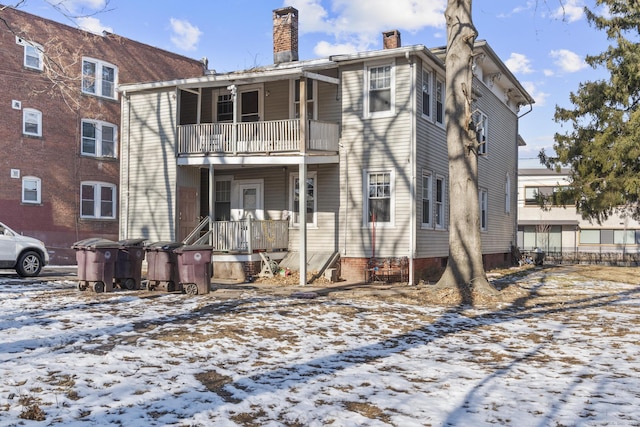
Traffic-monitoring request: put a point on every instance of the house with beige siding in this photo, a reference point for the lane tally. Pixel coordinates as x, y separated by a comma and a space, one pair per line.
362, 135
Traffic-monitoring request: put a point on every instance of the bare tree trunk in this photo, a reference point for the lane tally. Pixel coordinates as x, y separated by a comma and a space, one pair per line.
465, 270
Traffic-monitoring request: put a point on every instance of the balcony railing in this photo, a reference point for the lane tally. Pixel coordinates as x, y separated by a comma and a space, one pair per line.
246, 236
257, 138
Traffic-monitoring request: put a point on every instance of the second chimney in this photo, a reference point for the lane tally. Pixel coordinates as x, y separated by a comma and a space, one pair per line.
285, 35
391, 39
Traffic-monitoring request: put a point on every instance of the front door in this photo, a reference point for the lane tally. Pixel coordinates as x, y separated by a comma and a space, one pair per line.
248, 201
188, 211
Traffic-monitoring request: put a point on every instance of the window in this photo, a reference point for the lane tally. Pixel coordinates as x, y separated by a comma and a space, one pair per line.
590, 237
439, 101
426, 93
224, 108
31, 190
311, 96
33, 54
98, 200
99, 78
31, 122
379, 201
379, 94
311, 199
484, 210
98, 139
480, 121
426, 200
547, 196
507, 195
223, 200
439, 211
624, 237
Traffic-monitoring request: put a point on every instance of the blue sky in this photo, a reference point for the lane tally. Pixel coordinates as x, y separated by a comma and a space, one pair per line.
542, 43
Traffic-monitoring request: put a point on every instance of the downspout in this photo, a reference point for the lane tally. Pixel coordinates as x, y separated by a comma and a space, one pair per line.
128, 190
412, 170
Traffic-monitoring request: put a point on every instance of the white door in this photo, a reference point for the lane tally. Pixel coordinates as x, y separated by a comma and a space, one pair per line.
248, 200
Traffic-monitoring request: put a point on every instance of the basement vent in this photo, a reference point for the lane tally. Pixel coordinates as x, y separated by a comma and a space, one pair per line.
16, 105
15, 173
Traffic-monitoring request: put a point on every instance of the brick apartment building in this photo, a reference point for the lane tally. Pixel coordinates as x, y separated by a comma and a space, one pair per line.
60, 122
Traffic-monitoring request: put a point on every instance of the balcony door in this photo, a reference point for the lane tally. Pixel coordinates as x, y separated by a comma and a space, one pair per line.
250, 104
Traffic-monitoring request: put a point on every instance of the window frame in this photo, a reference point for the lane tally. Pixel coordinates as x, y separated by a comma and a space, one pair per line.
35, 48
98, 82
97, 199
223, 191
507, 194
481, 123
366, 175
483, 204
293, 215
439, 202
428, 90
439, 98
367, 89
312, 97
427, 196
38, 116
99, 140
38, 190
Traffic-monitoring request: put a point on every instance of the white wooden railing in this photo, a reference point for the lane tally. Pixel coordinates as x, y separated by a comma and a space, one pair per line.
247, 235
261, 138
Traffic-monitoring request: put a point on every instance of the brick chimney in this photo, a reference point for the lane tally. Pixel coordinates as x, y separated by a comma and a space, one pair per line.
285, 35
391, 39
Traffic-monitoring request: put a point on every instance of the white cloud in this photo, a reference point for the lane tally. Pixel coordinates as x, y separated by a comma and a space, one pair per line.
519, 63
539, 96
93, 25
325, 49
76, 5
360, 24
185, 35
571, 11
568, 61
548, 73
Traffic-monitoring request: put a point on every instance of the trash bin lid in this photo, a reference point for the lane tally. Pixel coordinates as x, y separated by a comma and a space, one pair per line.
95, 242
188, 248
131, 242
166, 245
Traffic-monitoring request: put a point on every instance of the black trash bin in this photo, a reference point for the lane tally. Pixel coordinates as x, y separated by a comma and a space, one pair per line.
96, 258
162, 266
538, 256
194, 268
128, 269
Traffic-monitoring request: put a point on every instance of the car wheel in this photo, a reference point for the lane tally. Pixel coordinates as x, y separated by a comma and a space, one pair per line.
29, 264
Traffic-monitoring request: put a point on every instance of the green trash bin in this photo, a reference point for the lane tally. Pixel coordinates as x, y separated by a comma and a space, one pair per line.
96, 258
162, 266
194, 268
128, 268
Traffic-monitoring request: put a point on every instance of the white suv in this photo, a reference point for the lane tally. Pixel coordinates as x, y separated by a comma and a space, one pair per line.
24, 254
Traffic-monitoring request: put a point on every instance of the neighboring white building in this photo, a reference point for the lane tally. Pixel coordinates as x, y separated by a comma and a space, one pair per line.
562, 233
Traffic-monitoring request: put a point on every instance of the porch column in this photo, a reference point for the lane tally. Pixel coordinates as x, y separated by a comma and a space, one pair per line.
212, 205
303, 115
302, 219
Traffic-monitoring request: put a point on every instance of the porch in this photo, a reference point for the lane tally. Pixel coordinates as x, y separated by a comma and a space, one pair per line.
262, 138
241, 237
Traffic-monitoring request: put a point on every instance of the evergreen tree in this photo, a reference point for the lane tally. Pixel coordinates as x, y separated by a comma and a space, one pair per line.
602, 149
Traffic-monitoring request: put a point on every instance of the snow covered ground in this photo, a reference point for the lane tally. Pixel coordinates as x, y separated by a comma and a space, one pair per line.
566, 357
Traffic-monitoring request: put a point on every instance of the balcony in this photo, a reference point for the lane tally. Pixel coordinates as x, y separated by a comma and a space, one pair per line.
257, 138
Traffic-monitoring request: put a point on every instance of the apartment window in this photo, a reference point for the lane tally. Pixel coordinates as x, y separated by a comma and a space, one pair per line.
484, 208
426, 93
31, 122
311, 97
98, 200
426, 200
311, 199
33, 54
99, 78
98, 139
624, 237
31, 190
439, 101
507, 195
380, 90
439, 203
379, 200
480, 121
223, 200
224, 108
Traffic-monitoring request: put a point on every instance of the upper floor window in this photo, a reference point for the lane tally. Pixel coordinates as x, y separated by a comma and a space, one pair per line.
483, 199
98, 138
439, 207
98, 200
546, 196
480, 122
380, 91
439, 101
426, 93
426, 200
507, 194
311, 201
224, 108
31, 190
311, 99
379, 209
99, 78
31, 122
33, 54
